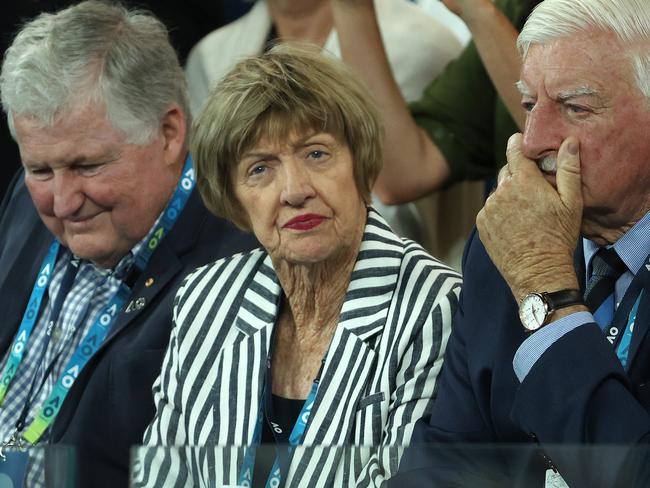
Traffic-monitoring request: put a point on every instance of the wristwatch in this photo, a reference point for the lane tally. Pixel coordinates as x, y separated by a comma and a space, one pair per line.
536, 309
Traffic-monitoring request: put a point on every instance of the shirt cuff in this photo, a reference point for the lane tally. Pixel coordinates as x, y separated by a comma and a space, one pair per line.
532, 348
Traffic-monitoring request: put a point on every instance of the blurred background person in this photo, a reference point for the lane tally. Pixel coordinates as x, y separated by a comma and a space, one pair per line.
438, 10
418, 48
333, 332
459, 128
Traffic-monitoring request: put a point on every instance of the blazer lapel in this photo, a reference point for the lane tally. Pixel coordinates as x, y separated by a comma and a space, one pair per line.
162, 268
162, 271
351, 355
260, 306
17, 281
641, 325
642, 322
248, 353
373, 279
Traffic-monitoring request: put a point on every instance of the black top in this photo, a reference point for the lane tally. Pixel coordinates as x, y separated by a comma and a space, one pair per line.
286, 412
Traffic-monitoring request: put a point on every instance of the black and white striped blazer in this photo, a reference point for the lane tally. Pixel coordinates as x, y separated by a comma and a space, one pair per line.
378, 378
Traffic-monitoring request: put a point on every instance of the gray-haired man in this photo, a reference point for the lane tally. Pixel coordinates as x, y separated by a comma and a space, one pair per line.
96, 234
551, 345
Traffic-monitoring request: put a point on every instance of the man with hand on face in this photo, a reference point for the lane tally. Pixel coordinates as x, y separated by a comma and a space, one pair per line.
96, 101
550, 343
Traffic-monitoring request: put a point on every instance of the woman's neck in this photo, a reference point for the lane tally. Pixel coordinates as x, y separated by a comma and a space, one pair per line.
307, 322
302, 20
315, 292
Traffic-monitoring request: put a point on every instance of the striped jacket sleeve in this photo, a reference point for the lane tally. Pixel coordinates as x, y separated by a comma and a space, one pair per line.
429, 297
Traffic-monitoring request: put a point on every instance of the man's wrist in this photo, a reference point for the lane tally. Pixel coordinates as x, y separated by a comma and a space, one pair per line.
550, 279
539, 308
566, 311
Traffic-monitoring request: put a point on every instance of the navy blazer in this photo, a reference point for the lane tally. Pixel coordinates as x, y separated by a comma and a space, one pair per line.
576, 393
110, 404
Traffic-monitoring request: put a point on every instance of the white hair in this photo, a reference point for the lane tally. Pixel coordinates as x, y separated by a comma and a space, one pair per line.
628, 20
98, 53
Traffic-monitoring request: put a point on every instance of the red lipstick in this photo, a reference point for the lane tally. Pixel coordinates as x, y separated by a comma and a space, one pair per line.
304, 222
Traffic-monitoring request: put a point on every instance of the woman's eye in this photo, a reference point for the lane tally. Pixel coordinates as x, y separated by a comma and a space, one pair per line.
257, 170
317, 154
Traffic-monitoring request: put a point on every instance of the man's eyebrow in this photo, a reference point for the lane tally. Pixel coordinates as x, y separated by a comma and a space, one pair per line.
77, 160
581, 91
43, 164
523, 88
564, 95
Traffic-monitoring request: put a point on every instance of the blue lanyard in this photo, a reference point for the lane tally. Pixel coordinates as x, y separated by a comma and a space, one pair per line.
66, 284
282, 461
623, 349
283, 458
100, 327
619, 334
29, 319
170, 214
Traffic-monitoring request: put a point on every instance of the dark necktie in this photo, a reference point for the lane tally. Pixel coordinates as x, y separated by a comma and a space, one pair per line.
607, 267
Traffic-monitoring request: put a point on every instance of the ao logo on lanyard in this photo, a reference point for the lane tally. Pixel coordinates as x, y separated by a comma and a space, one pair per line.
98, 330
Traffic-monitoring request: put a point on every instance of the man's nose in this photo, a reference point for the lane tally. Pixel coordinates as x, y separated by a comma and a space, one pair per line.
297, 187
542, 132
68, 197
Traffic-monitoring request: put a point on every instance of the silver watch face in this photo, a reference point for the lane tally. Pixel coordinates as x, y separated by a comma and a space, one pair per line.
532, 311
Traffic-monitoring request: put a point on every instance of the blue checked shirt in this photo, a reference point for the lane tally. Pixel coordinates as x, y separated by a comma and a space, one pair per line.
91, 291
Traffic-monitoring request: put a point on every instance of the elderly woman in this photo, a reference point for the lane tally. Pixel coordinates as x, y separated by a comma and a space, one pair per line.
333, 332
418, 47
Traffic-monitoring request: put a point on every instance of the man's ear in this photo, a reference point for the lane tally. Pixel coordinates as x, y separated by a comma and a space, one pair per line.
173, 130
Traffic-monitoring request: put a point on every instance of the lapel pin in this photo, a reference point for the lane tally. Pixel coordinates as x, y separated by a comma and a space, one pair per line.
136, 304
149, 282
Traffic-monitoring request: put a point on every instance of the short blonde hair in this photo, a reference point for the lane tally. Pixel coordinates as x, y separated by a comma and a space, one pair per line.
288, 90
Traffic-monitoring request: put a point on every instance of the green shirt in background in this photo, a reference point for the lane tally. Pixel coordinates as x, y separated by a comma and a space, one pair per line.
463, 114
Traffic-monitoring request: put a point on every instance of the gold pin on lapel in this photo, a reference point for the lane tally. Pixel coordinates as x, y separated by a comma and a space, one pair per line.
149, 282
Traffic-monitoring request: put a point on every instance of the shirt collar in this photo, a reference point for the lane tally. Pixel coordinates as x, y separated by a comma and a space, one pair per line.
633, 248
123, 267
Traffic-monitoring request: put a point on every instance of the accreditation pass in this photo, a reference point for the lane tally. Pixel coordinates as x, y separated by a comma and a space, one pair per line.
554, 480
